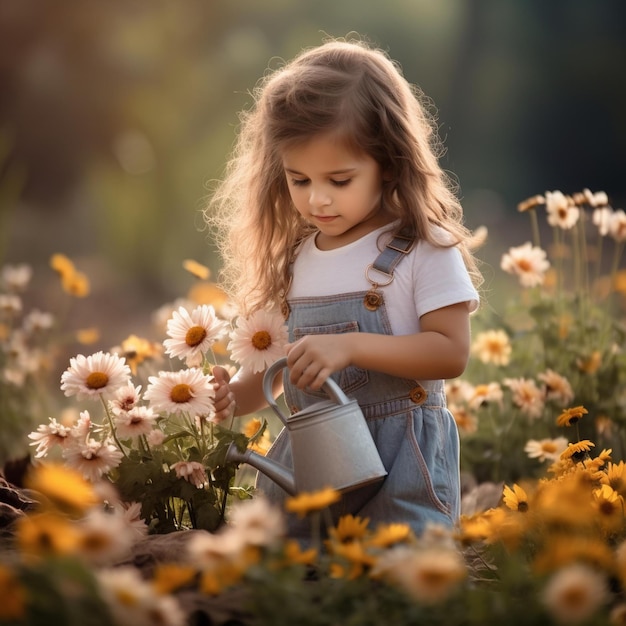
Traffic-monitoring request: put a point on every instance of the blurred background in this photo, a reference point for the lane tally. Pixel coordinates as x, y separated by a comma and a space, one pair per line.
114, 117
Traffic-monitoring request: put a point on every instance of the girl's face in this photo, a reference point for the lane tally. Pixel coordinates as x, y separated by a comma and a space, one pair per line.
335, 189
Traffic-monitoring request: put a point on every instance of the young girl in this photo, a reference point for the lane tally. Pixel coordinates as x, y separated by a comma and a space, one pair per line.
335, 209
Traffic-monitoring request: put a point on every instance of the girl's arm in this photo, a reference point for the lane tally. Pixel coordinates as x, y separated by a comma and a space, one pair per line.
439, 350
242, 395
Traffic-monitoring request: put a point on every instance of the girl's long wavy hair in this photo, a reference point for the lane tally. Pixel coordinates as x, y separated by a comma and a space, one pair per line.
341, 86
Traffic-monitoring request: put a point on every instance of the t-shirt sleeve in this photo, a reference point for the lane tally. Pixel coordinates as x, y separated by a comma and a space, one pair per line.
441, 279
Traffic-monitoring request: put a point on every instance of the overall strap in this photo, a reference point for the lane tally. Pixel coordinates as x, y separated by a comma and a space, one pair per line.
401, 244
385, 263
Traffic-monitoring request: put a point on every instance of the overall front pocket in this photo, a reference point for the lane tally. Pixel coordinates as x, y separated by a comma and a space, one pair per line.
349, 379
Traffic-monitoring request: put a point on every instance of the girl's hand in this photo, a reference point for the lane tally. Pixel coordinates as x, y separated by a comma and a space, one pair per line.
312, 359
224, 400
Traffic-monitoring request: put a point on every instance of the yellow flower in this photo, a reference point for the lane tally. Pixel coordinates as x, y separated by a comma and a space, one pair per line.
576, 450
64, 487
307, 502
357, 556
196, 269
564, 502
261, 441
563, 549
169, 577
136, 350
388, 535
571, 416
591, 363
12, 596
516, 498
62, 265
252, 427
615, 477
296, 555
609, 507
349, 528
76, 284
214, 580
205, 292
87, 336
481, 526
46, 533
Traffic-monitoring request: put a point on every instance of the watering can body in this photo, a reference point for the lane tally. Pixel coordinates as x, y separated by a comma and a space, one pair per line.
331, 444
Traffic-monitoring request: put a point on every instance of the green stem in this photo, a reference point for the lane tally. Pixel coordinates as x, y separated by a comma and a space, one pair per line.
112, 427
534, 224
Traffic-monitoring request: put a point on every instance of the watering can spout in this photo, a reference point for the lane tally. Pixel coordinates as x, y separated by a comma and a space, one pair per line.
273, 470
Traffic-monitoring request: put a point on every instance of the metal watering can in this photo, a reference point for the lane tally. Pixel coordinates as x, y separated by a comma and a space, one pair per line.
331, 444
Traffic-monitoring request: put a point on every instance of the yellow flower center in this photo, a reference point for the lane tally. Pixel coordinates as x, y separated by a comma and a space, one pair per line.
261, 340
181, 393
97, 380
195, 336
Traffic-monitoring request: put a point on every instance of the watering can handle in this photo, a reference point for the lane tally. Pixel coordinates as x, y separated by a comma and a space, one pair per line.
330, 387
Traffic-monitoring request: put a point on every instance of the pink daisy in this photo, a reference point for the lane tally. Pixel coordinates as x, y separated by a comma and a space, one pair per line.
49, 435
93, 459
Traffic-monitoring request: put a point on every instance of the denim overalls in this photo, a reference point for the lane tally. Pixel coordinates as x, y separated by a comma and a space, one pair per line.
415, 434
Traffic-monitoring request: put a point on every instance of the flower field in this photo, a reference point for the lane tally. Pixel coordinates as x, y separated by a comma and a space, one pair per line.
120, 455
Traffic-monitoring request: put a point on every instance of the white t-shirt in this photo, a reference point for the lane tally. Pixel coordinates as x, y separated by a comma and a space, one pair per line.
429, 278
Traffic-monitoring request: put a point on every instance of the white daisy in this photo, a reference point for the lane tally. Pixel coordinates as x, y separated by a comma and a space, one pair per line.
429, 575
207, 550
186, 391
528, 262
138, 421
49, 435
193, 334
259, 523
95, 375
92, 458
105, 537
545, 449
617, 226
37, 321
575, 593
10, 304
126, 594
562, 212
134, 600
259, 340
16, 277
602, 219
596, 199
